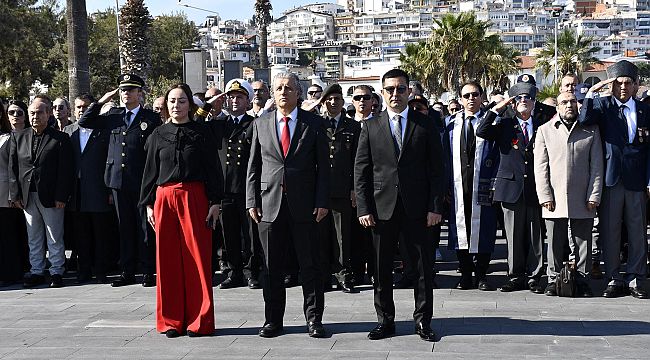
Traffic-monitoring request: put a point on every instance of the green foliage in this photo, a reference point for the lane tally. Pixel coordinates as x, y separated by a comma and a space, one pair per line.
170, 34
263, 18
158, 87
552, 90
103, 53
574, 53
135, 23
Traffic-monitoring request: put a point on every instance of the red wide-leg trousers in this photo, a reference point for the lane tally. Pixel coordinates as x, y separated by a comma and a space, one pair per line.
183, 254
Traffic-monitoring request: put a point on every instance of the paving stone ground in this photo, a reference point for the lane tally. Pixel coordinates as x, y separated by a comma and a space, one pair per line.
100, 322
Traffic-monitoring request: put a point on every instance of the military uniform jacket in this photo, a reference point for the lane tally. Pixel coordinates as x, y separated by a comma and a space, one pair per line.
342, 145
126, 155
234, 153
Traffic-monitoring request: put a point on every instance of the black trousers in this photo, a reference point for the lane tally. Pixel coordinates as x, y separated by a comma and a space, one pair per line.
13, 244
363, 258
137, 239
92, 241
335, 233
275, 237
473, 263
236, 229
419, 250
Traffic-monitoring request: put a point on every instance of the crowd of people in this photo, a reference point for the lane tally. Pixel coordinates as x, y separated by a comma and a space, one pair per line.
273, 189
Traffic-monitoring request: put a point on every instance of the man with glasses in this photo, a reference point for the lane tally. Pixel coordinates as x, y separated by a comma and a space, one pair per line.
260, 98
399, 192
362, 101
514, 186
624, 124
314, 92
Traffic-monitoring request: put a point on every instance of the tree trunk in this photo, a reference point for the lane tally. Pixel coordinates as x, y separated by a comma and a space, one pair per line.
264, 57
77, 24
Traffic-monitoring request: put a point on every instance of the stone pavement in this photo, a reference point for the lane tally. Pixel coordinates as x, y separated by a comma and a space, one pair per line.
97, 321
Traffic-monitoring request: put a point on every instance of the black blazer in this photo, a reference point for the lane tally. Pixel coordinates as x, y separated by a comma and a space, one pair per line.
417, 175
51, 169
516, 174
234, 152
305, 171
342, 151
126, 155
625, 161
89, 193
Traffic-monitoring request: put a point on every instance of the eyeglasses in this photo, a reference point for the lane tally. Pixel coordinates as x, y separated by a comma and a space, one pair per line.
362, 97
400, 89
15, 112
59, 107
313, 92
523, 97
471, 94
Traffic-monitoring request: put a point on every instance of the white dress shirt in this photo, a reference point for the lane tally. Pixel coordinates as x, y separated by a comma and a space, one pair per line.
134, 113
293, 120
391, 117
630, 117
84, 135
529, 126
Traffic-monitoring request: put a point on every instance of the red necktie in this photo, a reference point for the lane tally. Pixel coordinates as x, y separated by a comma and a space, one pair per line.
285, 139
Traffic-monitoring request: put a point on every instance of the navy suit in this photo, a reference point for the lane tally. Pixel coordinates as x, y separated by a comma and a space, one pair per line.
123, 175
627, 176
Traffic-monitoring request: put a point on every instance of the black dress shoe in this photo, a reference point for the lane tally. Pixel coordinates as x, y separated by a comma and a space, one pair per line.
551, 289
382, 331
465, 283
638, 293
403, 283
511, 286
172, 333
614, 291
290, 281
123, 280
315, 329
101, 279
253, 283
535, 286
425, 332
232, 282
484, 285
148, 280
348, 287
56, 281
270, 330
192, 334
33, 280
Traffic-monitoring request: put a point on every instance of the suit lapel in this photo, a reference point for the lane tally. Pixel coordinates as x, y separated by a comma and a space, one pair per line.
46, 139
384, 127
298, 132
410, 126
273, 132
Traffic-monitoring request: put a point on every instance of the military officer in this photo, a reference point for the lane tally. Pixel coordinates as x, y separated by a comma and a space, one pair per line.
130, 126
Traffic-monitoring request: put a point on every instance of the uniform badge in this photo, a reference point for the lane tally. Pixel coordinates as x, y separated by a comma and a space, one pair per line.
127, 77
525, 78
488, 163
143, 126
515, 143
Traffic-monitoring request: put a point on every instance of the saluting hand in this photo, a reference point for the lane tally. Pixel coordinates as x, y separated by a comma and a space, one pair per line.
601, 84
215, 98
500, 107
108, 96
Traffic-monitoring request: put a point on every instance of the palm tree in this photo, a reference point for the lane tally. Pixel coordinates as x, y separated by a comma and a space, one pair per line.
574, 53
135, 22
263, 19
500, 61
77, 39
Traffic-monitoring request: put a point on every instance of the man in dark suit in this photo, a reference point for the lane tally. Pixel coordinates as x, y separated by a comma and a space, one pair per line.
40, 181
336, 229
90, 206
129, 127
399, 190
625, 130
234, 154
515, 185
287, 194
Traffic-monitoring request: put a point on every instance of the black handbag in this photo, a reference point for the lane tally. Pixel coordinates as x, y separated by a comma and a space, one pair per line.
566, 281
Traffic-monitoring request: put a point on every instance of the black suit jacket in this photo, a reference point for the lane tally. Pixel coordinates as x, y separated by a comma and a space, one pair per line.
516, 174
417, 175
342, 151
89, 193
51, 169
305, 170
234, 152
126, 155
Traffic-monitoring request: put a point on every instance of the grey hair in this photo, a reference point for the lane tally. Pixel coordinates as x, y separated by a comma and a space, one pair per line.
291, 76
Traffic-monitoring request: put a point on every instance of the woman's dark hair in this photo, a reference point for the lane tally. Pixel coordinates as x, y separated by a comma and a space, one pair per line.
23, 107
190, 98
5, 126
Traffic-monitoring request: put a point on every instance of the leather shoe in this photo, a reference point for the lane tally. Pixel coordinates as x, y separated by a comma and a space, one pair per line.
638, 293
551, 290
56, 281
348, 287
484, 285
191, 333
270, 330
172, 333
465, 283
231, 282
614, 291
316, 329
382, 331
535, 286
123, 280
511, 286
33, 280
425, 332
290, 281
148, 280
253, 283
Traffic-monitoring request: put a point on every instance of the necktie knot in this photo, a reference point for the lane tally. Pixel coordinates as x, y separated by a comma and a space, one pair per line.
333, 123
127, 119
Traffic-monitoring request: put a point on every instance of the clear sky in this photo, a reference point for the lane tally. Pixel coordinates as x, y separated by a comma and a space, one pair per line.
228, 9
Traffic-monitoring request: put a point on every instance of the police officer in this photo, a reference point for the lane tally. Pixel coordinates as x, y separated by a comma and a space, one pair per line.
130, 126
234, 153
336, 229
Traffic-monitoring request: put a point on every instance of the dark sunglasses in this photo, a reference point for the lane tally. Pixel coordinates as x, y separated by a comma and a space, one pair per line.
313, 92
15, 112
523, 97
400, 89
471, 94
361, 97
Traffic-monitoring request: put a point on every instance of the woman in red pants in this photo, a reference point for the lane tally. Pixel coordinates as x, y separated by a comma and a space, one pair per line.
181, 189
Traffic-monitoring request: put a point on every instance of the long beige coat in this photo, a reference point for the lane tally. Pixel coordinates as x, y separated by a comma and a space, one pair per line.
568, 168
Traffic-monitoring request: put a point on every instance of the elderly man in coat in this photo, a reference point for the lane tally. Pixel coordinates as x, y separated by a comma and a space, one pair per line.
568, 176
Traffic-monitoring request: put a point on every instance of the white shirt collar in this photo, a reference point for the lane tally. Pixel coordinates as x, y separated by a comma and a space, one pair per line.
134, 111
630, 103
404, 113
293, 115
